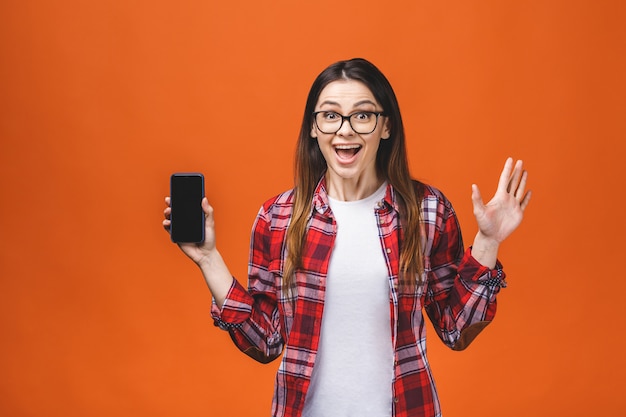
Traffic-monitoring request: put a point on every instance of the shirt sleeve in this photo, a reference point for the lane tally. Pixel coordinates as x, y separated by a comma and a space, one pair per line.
252, 316
461, 293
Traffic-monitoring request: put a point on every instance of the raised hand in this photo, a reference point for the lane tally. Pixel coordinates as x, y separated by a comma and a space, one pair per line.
502, 214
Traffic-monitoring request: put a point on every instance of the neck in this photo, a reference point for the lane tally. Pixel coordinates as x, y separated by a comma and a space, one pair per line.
352, 189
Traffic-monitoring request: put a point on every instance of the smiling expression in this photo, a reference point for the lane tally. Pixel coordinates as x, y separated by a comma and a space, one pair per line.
350, 157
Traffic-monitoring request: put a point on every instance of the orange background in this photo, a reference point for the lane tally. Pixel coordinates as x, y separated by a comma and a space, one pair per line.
102, 100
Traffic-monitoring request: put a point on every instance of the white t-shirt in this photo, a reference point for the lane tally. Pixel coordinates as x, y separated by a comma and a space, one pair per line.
353, 370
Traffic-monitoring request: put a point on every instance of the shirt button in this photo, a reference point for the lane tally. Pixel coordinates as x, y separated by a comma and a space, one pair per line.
396, 399
388, 250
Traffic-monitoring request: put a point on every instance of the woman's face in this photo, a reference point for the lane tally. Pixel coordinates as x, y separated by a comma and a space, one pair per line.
350, 156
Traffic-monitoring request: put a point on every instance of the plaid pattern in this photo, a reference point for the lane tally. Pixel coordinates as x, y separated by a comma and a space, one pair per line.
457, 293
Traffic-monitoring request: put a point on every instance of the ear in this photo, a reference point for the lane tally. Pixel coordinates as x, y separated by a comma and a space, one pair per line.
386, 133
313, 131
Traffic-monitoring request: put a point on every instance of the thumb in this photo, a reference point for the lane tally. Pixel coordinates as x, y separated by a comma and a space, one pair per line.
208, 212
205, 205
477, 200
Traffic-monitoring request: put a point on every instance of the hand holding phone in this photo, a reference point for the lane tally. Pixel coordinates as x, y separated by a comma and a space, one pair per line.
189, 220
187, 217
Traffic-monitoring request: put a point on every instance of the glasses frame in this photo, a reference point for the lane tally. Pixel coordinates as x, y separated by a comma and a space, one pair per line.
348, 117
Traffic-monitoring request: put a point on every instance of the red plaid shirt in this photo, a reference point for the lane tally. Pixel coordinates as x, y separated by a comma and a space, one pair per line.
458, 294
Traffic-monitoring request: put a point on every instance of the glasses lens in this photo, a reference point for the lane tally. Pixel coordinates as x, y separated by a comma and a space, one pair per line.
361, 122
328, 121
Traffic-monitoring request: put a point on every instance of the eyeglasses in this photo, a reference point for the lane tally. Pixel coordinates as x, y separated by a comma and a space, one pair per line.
362, 122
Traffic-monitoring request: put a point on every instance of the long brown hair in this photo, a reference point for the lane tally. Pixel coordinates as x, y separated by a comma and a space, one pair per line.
391, 163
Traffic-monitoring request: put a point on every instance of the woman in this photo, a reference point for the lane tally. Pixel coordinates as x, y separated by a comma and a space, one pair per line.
342, 266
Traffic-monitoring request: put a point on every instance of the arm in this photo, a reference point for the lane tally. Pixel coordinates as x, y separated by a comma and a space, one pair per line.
461, 295
251, 317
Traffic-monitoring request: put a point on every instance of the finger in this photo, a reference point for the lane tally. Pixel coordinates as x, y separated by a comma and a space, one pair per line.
167, 212
206, 207
166, 225
477, 200
515, 178
525, 200
503, 183
208, 212
519, 193
168, 200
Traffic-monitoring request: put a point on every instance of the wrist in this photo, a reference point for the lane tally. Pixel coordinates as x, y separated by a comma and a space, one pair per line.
486, 242
209, 260
485, 250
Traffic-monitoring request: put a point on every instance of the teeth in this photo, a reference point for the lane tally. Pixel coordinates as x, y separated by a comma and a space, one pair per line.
347, 146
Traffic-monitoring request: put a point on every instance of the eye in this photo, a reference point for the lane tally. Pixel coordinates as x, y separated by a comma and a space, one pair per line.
363, 116
330, 116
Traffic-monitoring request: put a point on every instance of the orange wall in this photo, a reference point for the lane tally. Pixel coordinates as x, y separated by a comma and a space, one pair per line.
101, 100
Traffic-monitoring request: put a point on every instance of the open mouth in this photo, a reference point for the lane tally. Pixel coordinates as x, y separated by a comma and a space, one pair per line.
347, 151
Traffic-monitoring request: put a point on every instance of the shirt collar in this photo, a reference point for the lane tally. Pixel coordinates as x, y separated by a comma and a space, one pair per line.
320, 197
322, 205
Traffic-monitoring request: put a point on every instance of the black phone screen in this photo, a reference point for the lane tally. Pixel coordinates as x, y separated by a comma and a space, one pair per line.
186, 193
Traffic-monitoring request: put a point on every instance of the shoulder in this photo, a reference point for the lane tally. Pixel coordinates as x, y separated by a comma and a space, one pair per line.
428, 192
278, 209
278, 202
433, 200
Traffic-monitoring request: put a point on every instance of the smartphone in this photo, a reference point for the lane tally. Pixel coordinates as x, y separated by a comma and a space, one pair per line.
187, 217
